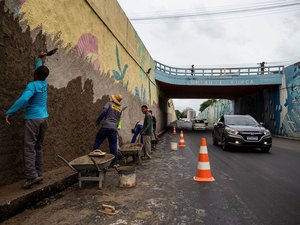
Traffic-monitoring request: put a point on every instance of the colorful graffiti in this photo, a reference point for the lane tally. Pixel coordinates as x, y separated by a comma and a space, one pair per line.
87, 45
119, 75
217, 109
105, 49
291, 121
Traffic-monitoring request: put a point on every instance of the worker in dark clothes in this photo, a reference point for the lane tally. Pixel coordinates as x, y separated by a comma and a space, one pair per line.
154, 125
110, 114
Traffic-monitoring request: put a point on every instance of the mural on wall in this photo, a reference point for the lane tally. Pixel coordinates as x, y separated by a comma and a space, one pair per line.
119, 75
87, 46
216, 110
15, 6
291, 121
223, 107
74, 84
145, 77
140, 53
141, 93
93, 41
275, 112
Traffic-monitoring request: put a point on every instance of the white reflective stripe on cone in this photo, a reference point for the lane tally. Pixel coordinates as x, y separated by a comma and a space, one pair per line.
203, 166
203, 150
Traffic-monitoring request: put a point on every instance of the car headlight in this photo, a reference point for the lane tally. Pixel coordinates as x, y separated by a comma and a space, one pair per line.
232, 131
267, 132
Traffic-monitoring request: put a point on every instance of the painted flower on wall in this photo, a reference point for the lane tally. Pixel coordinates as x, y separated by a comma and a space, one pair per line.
87, 46
119, 75
137, 92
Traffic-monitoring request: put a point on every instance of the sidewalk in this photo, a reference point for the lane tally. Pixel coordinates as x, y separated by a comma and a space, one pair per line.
164, 194
14, 199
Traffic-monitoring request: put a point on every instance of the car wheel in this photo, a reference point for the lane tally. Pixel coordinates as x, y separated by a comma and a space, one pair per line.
215, 141
265, 149
224, 143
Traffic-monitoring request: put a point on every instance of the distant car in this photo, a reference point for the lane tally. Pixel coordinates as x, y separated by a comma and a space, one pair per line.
199, 125
241, 131
205, 121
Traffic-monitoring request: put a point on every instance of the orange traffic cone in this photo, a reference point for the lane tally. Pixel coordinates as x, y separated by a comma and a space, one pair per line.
174, 130
203, 170
181, 140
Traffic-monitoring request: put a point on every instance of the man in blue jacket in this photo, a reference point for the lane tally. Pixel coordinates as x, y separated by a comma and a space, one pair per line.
34, 102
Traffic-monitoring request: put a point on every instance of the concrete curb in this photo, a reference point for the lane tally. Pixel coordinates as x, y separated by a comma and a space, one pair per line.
14, 204
160, 133
285, 137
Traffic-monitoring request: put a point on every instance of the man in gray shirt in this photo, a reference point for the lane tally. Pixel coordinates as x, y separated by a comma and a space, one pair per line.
111, 114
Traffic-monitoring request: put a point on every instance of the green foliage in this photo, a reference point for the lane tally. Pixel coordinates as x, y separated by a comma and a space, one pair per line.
206, 104
178, 114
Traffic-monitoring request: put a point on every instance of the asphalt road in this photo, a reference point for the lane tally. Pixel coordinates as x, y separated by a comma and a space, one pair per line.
250, 187
257, 188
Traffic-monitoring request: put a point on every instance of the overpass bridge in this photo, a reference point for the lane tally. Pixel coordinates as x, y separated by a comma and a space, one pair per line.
221, 83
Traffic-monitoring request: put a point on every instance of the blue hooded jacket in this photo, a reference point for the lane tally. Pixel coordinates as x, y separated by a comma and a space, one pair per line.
34, 101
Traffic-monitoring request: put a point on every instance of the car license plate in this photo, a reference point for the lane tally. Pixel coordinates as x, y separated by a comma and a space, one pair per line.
252, 138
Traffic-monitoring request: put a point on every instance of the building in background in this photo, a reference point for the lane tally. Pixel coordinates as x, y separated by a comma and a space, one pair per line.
189, 113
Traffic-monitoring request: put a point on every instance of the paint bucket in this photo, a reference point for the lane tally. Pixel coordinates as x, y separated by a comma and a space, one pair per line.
127, 176
173, 146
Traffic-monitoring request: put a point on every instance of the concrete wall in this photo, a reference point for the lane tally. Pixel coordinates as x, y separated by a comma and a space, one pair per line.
290, 98
214, 112
99, 54
262, 106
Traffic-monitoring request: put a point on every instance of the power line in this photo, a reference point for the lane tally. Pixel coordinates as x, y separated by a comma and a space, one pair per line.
203, 9
258, 8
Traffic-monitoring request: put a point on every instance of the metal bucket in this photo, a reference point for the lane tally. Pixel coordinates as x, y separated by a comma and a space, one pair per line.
173, 146
127, 176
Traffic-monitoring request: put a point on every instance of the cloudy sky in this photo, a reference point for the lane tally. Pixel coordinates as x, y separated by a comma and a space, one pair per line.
218, 33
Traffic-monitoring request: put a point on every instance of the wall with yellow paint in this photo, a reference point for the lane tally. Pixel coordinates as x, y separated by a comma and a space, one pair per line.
99, 54
100, 30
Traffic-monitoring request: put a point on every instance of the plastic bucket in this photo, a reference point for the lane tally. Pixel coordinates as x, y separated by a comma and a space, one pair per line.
127, 176
173, 146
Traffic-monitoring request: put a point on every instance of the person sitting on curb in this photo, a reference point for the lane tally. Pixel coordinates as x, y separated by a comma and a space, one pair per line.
147, 132
110, 114
34, 101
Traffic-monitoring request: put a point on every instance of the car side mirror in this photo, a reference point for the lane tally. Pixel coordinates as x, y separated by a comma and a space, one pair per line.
261, 123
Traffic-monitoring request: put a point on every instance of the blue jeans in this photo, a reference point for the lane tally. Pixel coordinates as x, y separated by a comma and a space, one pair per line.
138, 129
112, 136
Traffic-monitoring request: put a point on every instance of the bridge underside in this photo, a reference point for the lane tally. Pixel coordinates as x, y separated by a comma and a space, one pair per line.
211, 92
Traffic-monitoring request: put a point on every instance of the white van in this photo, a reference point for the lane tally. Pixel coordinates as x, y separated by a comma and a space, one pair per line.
199, 124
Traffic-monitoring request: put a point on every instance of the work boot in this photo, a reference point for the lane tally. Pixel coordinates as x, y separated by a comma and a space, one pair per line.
116, 166
146, 157
31, 182
40, 179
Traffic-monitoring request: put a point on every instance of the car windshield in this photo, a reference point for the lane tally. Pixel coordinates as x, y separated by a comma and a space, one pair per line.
241, 120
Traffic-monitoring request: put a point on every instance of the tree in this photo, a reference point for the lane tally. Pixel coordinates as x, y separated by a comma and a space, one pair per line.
206, 104
178, 114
